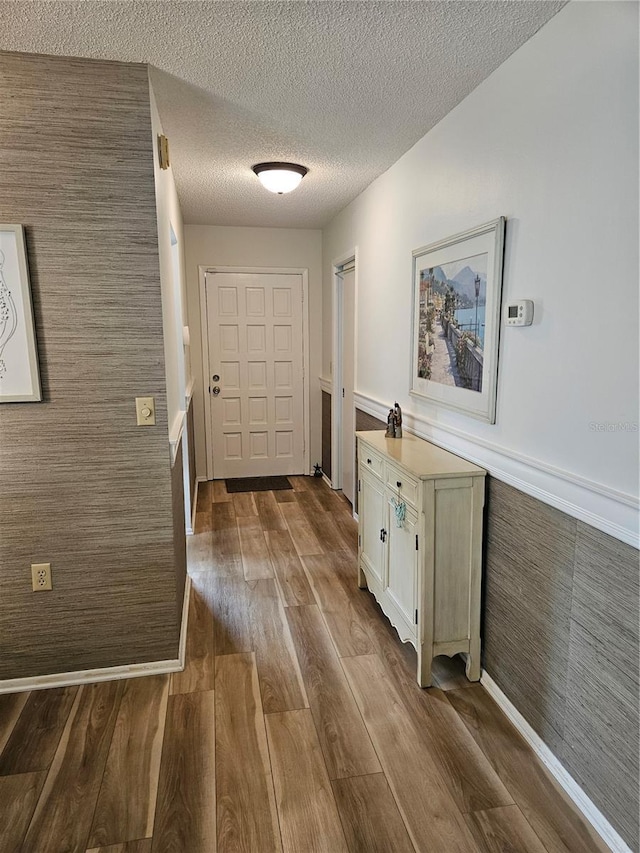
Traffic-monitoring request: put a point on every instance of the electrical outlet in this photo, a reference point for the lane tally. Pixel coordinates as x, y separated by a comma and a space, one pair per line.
41, 576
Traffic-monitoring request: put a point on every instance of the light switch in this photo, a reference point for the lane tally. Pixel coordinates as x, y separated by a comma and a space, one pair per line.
145, 411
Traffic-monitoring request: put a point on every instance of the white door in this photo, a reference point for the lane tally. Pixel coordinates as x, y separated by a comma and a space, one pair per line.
402, 563
256, 373
348, 454
372, 509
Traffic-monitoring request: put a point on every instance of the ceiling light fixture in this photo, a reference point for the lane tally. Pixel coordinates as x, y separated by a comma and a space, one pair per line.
279, 177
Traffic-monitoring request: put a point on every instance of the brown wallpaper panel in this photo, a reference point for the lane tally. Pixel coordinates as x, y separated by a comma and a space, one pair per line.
326, 433
561, 641
191, 447
528, 584
179, 535
365, 422
601, 718
83, 487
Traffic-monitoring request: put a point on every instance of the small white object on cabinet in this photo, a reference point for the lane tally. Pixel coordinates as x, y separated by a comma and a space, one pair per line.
425, 574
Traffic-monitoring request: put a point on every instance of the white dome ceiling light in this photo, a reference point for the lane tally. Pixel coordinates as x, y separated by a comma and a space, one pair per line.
279, 177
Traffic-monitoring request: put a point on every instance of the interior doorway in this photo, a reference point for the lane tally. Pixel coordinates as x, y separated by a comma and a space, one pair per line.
344, 369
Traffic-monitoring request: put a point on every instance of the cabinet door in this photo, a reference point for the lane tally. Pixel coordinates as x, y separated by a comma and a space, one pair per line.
371, 515
402, 563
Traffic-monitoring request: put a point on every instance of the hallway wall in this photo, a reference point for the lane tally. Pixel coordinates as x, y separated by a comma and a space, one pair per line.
550, 141
83, 487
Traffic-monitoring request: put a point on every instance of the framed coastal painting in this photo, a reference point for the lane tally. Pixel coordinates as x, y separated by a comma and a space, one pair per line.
457, 287
19, 375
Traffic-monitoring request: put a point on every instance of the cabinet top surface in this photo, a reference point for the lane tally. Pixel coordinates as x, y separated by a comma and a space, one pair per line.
420, 457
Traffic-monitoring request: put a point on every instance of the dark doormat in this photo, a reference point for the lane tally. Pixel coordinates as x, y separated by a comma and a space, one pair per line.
257, 484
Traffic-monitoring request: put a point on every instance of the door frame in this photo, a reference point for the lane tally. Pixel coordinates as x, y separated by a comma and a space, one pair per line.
204, 332
337, 362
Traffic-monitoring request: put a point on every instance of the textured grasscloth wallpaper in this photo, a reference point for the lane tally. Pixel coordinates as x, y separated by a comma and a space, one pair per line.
81, 486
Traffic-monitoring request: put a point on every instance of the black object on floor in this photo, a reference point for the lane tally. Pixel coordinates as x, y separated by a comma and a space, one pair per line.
257, 484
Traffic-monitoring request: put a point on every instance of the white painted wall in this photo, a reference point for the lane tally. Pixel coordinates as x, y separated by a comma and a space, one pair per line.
208, 245
549, 140
173, 291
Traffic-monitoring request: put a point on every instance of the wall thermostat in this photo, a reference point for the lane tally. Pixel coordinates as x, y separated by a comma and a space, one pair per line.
519, 313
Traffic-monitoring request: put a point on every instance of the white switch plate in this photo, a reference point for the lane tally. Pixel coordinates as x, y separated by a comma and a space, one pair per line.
145, 411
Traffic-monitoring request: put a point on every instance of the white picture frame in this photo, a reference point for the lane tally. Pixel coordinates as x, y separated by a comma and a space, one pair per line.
19, 373
457, 292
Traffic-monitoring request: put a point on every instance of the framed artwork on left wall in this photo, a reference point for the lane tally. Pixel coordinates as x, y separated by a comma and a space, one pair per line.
19, 374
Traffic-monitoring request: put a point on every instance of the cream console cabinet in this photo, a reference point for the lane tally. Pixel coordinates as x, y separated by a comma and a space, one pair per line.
425, 570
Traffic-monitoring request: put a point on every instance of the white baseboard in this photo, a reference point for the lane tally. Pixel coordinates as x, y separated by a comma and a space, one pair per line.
175, 434
184, 625
193, 508
586, 806
108, 673
328, 482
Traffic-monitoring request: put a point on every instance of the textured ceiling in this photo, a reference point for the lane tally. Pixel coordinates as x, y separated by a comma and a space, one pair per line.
344, 88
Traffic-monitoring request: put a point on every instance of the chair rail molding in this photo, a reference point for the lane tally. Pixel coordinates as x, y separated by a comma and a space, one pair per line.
175, 435
613, 512
326, 385
188, 394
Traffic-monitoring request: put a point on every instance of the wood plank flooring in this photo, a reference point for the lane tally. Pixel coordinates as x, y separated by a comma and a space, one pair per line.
126, 804
308, 815
296, 726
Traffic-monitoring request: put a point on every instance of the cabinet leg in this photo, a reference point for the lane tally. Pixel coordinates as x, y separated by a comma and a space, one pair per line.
473, 665
424, 667
362, 580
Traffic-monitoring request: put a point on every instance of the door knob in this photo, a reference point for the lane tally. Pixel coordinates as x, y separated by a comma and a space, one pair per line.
215, 390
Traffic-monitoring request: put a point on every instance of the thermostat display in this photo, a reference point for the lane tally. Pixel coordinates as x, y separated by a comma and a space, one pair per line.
519, 313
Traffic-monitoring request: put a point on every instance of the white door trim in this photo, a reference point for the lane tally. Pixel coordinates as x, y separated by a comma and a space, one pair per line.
336, 356
204, 332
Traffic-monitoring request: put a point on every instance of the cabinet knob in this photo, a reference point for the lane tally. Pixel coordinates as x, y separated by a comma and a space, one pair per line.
398, 483
368, 462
